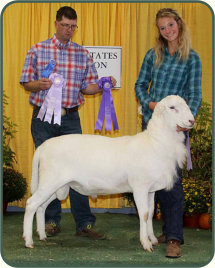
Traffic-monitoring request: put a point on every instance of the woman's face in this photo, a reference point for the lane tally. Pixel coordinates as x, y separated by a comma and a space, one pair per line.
168, 28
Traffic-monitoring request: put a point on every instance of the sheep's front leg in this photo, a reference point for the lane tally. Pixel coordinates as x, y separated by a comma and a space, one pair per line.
151, 235
141, 200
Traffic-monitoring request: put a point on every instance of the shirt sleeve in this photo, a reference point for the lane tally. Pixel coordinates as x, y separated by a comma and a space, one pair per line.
29, 72
143, 81
91, 75
194, 88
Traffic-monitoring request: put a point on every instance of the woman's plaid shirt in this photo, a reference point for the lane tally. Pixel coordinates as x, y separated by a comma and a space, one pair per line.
74, 63
172, 77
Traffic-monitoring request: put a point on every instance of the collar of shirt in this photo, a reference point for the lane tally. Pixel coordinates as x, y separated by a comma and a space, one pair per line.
167, 54
58, 44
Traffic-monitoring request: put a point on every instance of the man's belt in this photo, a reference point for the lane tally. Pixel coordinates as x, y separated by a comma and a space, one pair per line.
64, 111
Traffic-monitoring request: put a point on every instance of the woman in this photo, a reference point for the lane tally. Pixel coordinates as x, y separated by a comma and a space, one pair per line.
170, 68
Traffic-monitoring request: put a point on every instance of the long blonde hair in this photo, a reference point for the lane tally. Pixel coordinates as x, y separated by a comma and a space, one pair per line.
184, 41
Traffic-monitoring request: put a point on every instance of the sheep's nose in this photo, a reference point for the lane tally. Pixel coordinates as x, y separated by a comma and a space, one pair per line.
192, 122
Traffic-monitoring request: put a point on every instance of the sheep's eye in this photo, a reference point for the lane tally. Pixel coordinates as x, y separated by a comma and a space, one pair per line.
172, 107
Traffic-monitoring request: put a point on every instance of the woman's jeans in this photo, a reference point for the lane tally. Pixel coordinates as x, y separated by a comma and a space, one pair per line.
172, 207
42, 131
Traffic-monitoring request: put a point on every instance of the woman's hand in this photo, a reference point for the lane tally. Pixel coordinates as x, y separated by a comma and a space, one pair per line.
152, 105
181, 129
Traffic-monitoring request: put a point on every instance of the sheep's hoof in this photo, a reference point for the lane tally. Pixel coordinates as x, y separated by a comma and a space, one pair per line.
30, 246
153, 240
147, 246
43, 239
150, 250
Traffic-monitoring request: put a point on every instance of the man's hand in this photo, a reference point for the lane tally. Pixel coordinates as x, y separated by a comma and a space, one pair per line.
35, 86
113, 80
94, 89
44, 83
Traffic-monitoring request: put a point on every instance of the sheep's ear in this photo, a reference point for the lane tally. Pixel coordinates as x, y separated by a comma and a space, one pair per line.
160, 107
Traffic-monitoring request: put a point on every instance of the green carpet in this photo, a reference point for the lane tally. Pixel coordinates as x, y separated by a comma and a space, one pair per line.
122, 248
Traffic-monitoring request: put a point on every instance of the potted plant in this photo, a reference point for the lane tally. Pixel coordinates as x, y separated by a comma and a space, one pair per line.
198, 200
14, 184
197, 182
9, 156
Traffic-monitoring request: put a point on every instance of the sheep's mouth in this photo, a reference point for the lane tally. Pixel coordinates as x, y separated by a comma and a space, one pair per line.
190, 126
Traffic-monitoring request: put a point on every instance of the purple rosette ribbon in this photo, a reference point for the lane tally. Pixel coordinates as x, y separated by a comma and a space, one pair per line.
52, 103
106, 110
189, 161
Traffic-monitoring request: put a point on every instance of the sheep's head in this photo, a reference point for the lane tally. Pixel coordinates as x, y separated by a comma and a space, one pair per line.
175, 112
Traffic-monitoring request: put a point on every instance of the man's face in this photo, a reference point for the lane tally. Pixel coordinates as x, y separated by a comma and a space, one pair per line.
65, 29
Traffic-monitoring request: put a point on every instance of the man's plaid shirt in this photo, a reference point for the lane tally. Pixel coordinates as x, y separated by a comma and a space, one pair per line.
171, 77
74, 63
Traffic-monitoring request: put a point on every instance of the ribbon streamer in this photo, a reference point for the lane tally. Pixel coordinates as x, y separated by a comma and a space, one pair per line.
106, 110
53, 99
189, 161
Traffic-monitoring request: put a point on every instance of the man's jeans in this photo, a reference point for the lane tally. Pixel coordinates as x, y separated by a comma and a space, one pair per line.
172, 207
42, 131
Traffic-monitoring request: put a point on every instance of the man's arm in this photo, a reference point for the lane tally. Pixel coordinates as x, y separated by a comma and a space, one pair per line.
94, 89
91, 89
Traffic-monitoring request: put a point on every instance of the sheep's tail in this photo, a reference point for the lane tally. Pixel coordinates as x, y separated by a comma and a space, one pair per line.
35, 171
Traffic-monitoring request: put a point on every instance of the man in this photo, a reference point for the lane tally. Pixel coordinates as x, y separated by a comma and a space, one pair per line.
76, 66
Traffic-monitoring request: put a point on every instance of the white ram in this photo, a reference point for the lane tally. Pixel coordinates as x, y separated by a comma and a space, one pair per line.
98, 165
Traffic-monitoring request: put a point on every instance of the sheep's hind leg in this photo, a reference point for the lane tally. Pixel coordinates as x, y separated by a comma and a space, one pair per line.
40, 216
28, 224
31, 207
149, 222
141, 200
61, 194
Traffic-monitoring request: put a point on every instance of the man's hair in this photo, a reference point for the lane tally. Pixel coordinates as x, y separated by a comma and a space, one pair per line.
67, 12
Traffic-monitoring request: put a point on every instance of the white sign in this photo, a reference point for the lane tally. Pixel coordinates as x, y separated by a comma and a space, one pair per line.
107, 61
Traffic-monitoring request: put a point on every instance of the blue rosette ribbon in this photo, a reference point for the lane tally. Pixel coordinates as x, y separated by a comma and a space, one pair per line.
48, 69
106, 110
